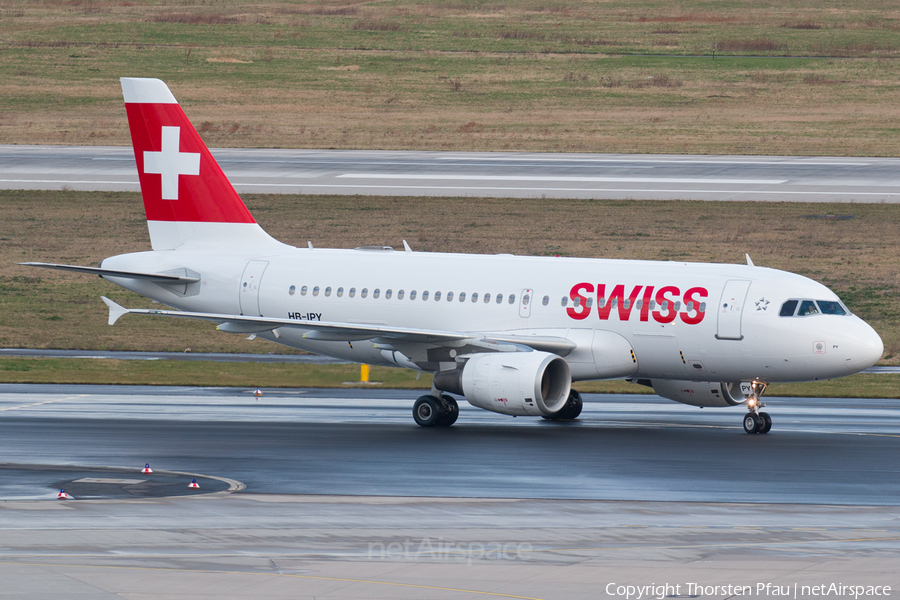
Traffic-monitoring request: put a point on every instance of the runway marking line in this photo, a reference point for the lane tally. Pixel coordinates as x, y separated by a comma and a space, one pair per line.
21, 406
317, 577
736, 545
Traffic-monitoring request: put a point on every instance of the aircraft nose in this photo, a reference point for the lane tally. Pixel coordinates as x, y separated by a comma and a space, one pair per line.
864, 348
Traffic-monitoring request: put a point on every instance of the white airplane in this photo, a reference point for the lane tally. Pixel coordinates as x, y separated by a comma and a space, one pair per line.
509, 333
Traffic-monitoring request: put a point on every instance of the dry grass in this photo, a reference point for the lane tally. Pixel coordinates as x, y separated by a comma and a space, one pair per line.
427, 69
857, 257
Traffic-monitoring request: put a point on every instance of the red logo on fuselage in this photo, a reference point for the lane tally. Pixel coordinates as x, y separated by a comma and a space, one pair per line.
645, 301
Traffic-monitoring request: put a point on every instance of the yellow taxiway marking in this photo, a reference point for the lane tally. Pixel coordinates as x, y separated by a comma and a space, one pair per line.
22, 406
317, 577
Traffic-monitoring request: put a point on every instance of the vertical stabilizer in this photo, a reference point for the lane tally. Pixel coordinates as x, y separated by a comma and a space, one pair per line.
187, 197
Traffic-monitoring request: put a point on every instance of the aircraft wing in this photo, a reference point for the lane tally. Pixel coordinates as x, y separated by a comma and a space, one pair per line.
155, 277
325, 331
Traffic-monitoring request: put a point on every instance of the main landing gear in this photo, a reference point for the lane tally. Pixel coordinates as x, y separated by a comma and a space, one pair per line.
756, 421
570, 411
434, 411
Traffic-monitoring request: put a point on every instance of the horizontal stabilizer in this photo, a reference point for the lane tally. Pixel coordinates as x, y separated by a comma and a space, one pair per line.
154, 277
115, 310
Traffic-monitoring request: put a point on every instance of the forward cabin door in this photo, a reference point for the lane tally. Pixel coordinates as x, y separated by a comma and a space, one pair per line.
731, 306
250, 281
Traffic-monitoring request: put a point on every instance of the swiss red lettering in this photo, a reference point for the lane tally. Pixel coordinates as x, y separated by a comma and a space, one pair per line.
666, 300
690, 299
645, 303
617, 295
581, 310
667, 303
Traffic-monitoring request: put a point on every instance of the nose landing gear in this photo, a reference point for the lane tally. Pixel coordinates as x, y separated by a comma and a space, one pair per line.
756, 421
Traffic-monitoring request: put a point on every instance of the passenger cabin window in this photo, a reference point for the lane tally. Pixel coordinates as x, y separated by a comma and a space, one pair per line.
340, 292
462, 296
425, 295
376, 293
512, 298
412, 295
565, 301
387, 294
364, 292
546, 300
499, 298
449, 296
475, 297
437, 296
487, 298
328, 291
352, 292
400, 295
303, 290
292, 289
316, 291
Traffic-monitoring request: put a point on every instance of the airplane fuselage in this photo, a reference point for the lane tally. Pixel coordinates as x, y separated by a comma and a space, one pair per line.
686, 321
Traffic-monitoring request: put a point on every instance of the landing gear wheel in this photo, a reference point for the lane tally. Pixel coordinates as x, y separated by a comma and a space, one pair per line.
451, 411
752, 423
427, 411
570, 411
767, 422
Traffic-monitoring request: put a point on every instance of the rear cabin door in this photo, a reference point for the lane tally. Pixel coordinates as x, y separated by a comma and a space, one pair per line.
250, 281
731, 306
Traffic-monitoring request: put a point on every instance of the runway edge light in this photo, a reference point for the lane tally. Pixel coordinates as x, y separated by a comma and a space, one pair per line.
258, 393
147, 470
62, 495
193, 484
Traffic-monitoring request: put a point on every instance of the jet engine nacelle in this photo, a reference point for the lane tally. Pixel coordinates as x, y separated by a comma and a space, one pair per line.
703, 393
512, 383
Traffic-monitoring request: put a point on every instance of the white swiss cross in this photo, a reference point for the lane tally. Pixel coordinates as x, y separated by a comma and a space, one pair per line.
170, 162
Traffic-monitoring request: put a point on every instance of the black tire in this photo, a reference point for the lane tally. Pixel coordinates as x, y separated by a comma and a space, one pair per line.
576, 405
451, 411
570, 411
752, 423
766, 423
427, 411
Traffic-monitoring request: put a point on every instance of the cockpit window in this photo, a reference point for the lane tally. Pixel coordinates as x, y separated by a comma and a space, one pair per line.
788, 308
830, 307
807, 307
812, 307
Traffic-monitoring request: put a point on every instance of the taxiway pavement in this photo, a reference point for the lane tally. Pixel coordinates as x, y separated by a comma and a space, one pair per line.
482, 174
347, 498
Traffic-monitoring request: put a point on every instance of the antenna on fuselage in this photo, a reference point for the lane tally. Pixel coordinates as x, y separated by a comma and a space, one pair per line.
749, 262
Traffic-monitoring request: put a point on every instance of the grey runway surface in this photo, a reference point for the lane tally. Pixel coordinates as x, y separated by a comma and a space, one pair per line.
347, 498
482, 174
364, 442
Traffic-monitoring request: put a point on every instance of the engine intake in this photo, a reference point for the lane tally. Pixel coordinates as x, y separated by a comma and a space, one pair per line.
511, 383
703, 393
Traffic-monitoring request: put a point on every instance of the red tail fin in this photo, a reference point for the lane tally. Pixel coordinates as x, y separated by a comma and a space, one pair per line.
186, 195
